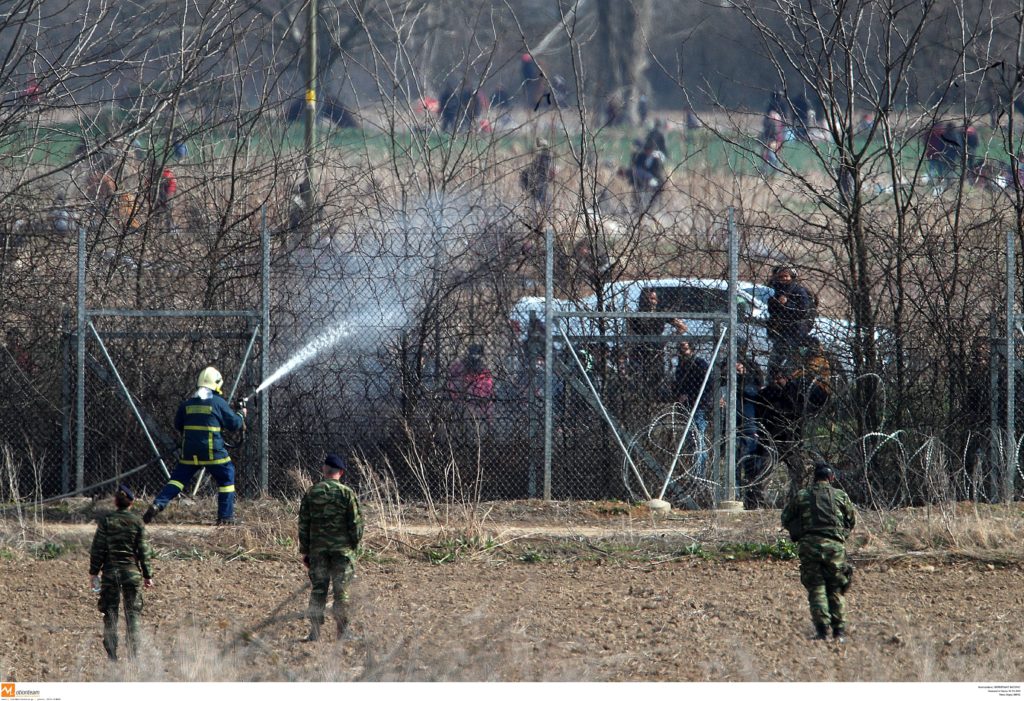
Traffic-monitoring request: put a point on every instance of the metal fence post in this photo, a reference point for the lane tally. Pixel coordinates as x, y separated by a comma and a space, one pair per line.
730, 421
549, 355
1011, 369
67, 412
992, 457
532, 423
80, 365
264, 397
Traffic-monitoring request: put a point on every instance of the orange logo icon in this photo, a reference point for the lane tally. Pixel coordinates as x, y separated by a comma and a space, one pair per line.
7, 691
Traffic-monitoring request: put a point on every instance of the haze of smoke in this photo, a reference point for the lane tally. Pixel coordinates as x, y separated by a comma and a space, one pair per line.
378, 284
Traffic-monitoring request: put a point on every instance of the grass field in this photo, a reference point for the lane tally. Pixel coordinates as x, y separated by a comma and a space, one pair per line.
730, 150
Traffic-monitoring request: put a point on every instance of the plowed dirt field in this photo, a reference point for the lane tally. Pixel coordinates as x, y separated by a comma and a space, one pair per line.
530, 592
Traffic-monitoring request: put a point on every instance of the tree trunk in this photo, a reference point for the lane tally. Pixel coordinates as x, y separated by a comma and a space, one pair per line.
621, 54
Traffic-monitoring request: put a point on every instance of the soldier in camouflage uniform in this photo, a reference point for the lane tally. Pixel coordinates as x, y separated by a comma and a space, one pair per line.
330, 528
819, 519
120, 551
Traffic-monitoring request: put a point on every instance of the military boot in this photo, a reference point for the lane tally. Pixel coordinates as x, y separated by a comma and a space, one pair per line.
838, 634
340, 614
820, 631
314, 631
111, 648
151, 513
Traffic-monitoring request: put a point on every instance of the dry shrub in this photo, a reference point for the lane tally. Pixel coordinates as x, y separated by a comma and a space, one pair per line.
975, 530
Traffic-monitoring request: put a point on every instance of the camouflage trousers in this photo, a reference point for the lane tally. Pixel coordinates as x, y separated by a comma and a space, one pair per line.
821, 572
115, 585
326, 570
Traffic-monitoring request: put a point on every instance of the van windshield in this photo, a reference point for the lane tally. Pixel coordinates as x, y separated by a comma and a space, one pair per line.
688, 298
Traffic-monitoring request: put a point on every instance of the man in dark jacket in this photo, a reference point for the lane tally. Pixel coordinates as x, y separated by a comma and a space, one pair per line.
656, 137
789, 316
119, 550
533, 82
449, 107
750, 453
820, 518
647, 175
201, 420
646, 357
330, 528
780, 415
690, 377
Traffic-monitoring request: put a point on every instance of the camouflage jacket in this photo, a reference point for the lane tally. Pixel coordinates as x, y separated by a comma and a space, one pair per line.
329, 519
820, 510
120, 542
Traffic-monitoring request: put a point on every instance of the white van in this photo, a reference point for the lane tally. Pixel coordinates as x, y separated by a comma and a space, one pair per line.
687, 296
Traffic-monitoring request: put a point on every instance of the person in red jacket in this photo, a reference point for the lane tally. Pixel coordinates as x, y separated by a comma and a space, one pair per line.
166, 188
471, 384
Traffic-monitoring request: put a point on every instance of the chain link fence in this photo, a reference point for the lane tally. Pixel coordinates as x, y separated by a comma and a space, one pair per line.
451, 396
408, 324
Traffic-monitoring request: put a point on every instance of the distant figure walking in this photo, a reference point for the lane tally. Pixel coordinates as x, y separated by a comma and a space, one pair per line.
536, 177
646, 173
164, 196
533, 82
656, 137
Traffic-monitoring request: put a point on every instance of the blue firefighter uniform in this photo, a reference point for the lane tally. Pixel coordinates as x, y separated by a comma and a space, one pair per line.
201, 421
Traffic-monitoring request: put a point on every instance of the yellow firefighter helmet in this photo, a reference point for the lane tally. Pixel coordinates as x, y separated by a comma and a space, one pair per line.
210, 378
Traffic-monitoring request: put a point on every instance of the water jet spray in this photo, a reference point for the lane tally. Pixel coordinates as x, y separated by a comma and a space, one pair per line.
312, 349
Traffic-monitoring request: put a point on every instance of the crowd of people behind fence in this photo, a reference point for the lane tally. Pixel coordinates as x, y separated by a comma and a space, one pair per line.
126, 184
659, 363
949, 148
123, 185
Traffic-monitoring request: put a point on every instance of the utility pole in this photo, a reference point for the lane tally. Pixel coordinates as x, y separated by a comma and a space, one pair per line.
307, 186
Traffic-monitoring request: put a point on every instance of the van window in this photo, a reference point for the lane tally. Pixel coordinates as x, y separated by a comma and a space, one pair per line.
688, 298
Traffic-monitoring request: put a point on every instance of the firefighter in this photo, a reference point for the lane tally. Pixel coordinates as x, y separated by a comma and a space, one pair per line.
201, 420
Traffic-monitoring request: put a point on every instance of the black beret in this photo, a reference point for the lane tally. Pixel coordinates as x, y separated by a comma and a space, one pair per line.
334, 461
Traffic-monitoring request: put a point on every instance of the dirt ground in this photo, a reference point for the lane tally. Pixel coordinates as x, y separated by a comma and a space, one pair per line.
530, 592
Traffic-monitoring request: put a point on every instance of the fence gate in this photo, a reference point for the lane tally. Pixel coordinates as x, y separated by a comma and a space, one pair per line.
665, 453
130, 368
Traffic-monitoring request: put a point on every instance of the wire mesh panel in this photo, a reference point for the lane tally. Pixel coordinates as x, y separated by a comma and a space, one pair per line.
138, 370
432, 363
392, 344
37, 273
